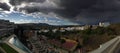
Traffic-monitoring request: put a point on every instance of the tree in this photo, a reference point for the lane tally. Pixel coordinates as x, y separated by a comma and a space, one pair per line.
62, 41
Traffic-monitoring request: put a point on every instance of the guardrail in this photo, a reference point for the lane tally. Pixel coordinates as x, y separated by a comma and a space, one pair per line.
115, 46
107, 47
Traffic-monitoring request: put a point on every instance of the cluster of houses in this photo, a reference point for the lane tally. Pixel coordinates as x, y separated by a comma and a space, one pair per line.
63, 29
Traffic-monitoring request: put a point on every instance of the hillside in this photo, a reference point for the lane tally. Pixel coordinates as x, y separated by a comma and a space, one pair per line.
88, 39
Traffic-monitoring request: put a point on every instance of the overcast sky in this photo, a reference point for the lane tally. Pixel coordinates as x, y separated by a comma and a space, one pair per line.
76, 11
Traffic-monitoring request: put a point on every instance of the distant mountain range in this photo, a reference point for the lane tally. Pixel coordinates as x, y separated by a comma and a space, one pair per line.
39, 24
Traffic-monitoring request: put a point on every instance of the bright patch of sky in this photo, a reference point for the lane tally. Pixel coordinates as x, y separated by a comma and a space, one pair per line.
23, 18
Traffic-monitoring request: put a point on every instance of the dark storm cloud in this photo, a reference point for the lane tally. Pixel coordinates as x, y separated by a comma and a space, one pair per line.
102, 11
96, 17
18, 2
83, 11
32, 9
4, 6
32, 6
74, 7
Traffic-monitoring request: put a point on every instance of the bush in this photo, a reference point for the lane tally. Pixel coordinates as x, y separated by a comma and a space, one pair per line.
62, 41
8, 49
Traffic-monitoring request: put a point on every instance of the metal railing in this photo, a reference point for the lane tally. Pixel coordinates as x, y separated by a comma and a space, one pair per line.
107, 47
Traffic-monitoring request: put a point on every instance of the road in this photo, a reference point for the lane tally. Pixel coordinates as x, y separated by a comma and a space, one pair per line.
6, 29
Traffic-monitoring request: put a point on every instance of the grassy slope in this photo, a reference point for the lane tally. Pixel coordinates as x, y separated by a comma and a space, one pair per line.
8, 49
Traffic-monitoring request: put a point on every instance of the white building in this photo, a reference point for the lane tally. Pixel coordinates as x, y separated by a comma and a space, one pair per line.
54, 30
104, 24
80, 28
